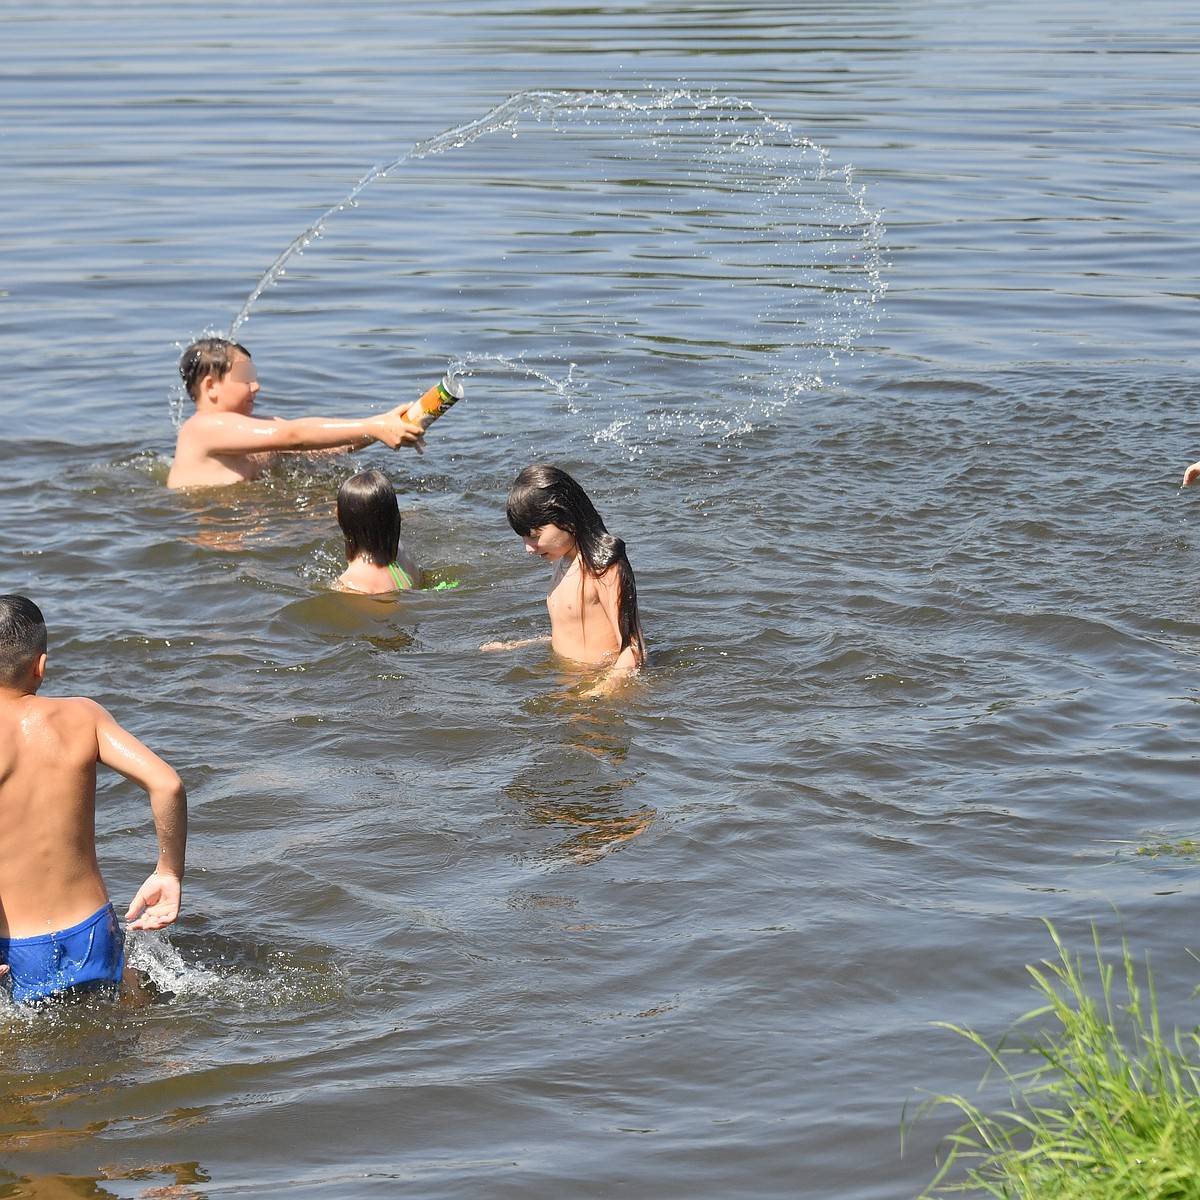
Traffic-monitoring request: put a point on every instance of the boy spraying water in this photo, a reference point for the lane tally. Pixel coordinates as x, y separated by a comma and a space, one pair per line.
58, 930
222, 442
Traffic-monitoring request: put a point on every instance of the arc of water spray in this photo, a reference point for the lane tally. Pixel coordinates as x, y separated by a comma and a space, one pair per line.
537, 104
461, 135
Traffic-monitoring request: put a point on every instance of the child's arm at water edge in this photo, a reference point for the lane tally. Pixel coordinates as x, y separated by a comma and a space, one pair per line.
630, 660
157, 901
515, 645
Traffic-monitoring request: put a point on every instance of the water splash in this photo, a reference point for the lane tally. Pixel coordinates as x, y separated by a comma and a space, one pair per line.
664, 242
467, 365
228, 972
155, 956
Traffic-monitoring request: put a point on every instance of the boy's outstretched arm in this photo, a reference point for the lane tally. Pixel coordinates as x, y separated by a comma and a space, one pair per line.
1191, 474
157, 901
236, 433
324, 433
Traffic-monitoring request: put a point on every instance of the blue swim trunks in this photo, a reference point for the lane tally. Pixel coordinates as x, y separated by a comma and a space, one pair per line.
92, 952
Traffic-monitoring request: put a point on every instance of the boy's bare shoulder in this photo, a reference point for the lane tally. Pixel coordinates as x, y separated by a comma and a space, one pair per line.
203, 425
66, 715
55, 733
75, 710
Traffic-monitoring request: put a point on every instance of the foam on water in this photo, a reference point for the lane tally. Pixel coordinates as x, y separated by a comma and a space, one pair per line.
226, 971
168, 973
211, 970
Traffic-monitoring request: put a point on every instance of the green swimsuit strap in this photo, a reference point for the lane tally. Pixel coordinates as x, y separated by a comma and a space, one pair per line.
400, 579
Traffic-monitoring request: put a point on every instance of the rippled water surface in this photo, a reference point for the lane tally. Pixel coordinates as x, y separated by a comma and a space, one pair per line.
870, 329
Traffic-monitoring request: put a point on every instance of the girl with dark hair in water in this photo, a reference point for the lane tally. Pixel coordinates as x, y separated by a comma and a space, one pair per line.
369, 516
593, 596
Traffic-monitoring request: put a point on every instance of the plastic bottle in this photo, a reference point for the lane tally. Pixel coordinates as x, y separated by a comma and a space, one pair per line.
440, 397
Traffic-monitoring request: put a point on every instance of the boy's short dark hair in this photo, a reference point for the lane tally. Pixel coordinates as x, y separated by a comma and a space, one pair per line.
22, 637
208, 356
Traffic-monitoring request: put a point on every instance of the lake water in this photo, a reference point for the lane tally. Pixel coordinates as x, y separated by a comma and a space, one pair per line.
871, 328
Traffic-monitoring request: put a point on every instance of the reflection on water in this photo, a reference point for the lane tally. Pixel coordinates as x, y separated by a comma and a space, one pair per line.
167, 1181
224, 532
580, 785
597, 830
66, 1081
268, 512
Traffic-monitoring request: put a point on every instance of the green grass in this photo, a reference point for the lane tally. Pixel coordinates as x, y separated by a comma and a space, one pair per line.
1102, 1106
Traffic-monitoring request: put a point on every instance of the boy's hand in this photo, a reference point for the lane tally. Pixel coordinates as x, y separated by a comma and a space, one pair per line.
1191, 474
157, 902
394, 431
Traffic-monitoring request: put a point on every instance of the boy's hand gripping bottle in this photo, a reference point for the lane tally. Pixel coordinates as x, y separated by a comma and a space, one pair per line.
440, 397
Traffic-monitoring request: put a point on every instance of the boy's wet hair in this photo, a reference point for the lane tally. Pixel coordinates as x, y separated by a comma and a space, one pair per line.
369, 515
547, 495
22, 637
208, 356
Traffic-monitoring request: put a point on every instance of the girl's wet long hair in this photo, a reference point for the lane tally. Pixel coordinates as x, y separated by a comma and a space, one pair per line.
547, 495
369, 516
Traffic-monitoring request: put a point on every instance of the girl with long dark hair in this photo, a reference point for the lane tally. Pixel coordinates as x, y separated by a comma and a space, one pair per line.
369, 515
593, 596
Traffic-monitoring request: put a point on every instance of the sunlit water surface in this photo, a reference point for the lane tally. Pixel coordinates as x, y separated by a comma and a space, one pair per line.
872, 333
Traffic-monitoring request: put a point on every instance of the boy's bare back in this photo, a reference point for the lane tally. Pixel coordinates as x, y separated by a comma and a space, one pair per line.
58, 930
49, 877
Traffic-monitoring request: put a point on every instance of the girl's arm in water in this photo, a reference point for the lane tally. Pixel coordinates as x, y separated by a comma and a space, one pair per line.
630, 660
533, 641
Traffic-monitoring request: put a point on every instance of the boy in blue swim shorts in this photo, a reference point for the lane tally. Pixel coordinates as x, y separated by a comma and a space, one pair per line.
87, 956
58, 930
